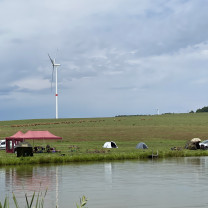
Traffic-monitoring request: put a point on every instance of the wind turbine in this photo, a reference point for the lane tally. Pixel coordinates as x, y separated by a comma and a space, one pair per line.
55, 66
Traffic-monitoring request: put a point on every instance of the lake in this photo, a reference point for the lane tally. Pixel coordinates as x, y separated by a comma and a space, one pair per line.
162, 183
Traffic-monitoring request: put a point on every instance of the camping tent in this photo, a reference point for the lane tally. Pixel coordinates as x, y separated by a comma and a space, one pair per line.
141, 145
39, 135
110, 145
20, 137
13, 140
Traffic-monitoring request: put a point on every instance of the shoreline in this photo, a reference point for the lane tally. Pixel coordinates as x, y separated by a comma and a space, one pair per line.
56, 158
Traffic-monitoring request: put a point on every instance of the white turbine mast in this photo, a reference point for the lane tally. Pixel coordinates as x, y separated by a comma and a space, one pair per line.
55, 66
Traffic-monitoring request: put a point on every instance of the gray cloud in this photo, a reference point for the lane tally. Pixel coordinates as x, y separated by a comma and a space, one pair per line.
116, 57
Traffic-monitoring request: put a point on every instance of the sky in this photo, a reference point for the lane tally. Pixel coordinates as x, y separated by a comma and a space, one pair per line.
118, 57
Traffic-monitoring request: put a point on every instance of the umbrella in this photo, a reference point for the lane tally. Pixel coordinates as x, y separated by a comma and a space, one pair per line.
196, 140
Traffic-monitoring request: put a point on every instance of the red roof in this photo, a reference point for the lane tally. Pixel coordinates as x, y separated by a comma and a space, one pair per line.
39, 135
17, 135
35, 135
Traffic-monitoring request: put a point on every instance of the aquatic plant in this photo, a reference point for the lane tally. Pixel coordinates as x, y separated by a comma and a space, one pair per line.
39, 203
83, 202
6, 203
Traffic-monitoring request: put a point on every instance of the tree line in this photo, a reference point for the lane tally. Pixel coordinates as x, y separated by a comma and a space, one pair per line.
201, 110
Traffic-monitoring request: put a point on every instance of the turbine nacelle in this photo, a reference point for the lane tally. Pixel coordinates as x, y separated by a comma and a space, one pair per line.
53, 61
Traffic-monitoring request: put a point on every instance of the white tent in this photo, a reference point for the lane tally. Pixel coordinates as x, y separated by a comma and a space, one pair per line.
110, 145
196, 140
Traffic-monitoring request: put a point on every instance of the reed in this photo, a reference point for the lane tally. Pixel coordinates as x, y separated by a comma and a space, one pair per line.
83, 202
36, 201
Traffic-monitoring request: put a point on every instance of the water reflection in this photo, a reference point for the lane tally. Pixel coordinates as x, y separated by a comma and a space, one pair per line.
28, 177
108, 172
168, 183
57, 188
22, 180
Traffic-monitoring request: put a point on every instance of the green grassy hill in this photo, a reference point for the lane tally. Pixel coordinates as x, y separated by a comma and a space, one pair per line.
159, 132
126, 128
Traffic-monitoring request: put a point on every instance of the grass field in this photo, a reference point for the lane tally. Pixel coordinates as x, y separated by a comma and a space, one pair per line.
159, 132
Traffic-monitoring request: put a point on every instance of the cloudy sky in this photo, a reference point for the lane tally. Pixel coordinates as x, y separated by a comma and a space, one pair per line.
118, 57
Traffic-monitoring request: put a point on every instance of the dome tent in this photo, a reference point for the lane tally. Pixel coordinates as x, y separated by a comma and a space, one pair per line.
110, 145
141, 145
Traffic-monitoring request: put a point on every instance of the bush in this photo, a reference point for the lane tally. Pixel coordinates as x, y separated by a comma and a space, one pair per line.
202, 110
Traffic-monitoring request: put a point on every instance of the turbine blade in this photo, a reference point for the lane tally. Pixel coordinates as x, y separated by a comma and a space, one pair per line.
51, 59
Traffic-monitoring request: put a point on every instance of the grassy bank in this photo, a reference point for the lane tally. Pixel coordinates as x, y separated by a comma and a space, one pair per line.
83, 138
57, 158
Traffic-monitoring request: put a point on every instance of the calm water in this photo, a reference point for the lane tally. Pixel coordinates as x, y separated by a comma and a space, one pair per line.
168, 183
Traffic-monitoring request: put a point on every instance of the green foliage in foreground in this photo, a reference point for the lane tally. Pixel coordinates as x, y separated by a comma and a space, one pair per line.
83, 202
36, 203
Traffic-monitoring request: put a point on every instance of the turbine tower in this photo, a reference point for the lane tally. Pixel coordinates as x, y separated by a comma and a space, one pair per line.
55, 66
